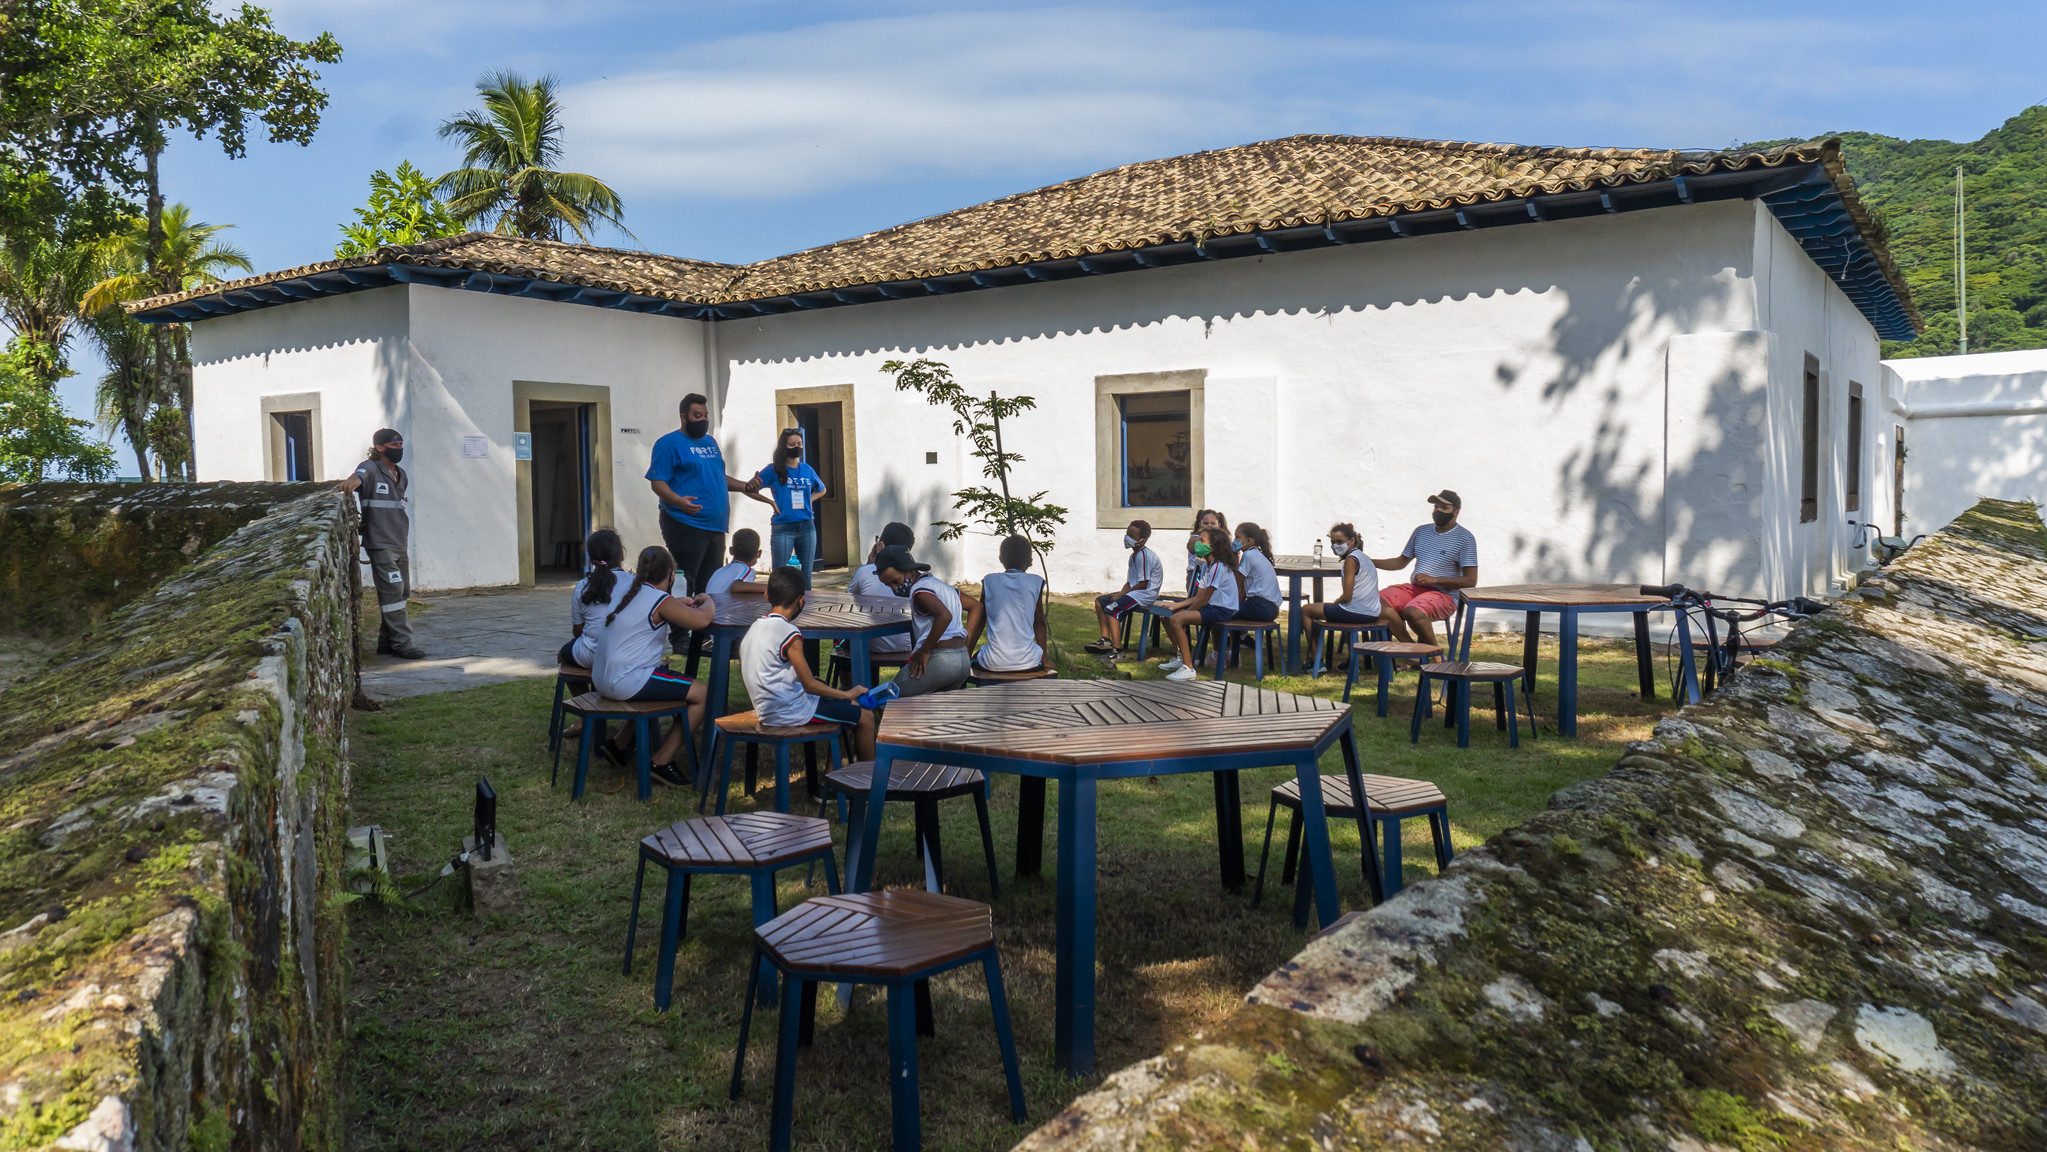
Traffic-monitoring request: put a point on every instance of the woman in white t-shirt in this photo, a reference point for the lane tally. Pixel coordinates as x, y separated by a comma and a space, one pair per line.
1015, 605
778, 679
1214, 601
1357, 602
631, 652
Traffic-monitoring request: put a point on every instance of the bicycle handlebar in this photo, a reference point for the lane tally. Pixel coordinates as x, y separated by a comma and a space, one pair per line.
1796, 606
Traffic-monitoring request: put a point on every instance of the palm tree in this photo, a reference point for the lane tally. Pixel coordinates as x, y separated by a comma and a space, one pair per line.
42, 278
187, 256
124, 395
508, 179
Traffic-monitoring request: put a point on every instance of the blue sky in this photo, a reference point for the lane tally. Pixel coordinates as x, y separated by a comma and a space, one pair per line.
748, 129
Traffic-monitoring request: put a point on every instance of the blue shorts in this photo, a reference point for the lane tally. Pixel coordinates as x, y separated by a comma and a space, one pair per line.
666, 684
1258, 610
836, 712
1118, 606
1338, 614
1212, 614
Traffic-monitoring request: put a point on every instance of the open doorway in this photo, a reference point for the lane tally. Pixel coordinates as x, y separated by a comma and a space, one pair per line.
824, 439
561, 488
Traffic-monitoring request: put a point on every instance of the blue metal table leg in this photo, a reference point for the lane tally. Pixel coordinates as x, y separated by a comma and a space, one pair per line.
999, 1005
714, 694
764, 911
1461, 643
673, 908
860, 860
782, 777
1293, 625
1315, 851
902, 1068
863, 661
1375, 884
1567, 672
1385, 664
1073, 1031
643, 735
1461, 690
785, 1069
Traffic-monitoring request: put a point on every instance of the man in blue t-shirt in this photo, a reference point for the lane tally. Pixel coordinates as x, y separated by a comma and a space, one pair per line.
688, 475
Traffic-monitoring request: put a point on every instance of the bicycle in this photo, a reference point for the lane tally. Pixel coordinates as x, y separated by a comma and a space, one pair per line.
1883, 549
1722, 656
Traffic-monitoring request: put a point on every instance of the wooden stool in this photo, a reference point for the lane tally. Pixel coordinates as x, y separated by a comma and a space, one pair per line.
1750, 647
922, 785
1460, 675
1392, 800
596, 709
1353, 634
566, 676
751, 844
977, 676
1384, 653
746, 728
898, 940
1233, 633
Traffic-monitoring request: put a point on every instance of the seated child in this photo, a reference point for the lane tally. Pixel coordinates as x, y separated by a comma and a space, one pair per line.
629, 663
1015, 613
1214, 601
1147, 574
1261, 582
592, 597
864, 582
938, 660
1358, 600
778, 679
746, 548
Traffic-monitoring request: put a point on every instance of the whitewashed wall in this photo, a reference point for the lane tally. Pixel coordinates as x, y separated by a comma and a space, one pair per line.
1976, 426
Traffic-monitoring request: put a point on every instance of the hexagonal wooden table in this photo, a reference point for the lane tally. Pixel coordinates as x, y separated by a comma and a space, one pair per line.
1078, 732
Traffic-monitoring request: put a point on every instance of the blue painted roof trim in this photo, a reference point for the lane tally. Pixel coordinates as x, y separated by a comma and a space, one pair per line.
1803, 198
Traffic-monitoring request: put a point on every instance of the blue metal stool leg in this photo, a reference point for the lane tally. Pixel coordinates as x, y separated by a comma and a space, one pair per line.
1421, 705
1350, 676
643, 735
753, 975
999, 1004
1385, 669
674, 910
987, 841
632, 922
782, 776
1462, 688
764, 911
1390, 856
554, 719
583, 758
1265, 855
724, 784
902, 1067
785, 1068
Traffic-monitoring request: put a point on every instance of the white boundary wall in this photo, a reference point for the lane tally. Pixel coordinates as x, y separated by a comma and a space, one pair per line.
1975, 426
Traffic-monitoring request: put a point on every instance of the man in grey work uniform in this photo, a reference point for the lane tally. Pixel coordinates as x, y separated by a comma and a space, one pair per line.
380, 484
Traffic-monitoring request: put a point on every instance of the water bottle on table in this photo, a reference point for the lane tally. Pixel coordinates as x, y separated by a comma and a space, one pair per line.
874, 698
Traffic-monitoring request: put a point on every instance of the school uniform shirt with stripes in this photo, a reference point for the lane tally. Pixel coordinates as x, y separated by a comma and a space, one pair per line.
721, 581
1146, 569
920, 624
1223, 579
1260, 581
591, 616
777, 695
1012, 601
632, 645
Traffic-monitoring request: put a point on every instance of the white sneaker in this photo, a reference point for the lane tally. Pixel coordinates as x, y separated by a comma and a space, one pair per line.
1181, 673
1172, 665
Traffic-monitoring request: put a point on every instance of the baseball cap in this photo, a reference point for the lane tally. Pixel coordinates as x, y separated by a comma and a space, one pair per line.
898, 557
386, 435
897, 533
1447, 497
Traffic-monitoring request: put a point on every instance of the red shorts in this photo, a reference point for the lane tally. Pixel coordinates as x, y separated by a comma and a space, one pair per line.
1433, 603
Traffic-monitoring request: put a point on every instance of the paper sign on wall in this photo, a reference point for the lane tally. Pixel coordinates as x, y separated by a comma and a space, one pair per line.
475, 447
522, 445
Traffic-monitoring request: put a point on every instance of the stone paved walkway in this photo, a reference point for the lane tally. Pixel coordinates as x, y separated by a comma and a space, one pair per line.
473, 638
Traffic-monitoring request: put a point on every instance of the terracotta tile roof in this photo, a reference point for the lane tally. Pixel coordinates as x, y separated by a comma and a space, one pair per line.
1293, 182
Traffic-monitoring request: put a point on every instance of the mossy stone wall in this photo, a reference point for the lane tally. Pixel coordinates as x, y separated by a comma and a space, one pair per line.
70, 554
172, 809
1811, 913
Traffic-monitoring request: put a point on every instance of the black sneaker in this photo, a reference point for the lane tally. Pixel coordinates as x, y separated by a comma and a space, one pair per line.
669, 774
409, 652
1102, 647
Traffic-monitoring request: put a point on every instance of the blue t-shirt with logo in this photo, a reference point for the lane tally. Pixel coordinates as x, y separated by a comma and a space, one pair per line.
693, 467
792, 500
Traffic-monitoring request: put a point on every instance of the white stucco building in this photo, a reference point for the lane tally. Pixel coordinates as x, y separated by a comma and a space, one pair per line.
1632, 364
1972, 426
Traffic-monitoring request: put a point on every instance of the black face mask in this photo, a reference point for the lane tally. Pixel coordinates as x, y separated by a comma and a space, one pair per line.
1443, 518
694, 429
393, 455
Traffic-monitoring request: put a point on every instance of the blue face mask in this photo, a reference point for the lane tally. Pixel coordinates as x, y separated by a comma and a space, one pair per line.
1129, 541
1236, 545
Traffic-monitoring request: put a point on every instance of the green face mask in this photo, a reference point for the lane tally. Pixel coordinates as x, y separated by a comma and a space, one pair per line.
1201, 549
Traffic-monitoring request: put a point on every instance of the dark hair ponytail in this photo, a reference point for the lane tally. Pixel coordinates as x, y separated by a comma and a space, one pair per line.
607, 555
655, 566
1259, 538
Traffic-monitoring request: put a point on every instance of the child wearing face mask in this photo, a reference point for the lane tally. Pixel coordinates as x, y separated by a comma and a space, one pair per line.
1260, 580
1358, 601
1145, 576
1215, 600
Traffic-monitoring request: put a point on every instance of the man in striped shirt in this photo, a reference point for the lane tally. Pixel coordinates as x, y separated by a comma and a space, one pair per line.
1445, 557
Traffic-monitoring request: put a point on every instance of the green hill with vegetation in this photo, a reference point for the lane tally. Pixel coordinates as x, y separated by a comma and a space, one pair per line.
1911, 184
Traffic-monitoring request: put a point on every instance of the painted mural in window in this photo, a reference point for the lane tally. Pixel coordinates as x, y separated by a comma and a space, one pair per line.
1158, 467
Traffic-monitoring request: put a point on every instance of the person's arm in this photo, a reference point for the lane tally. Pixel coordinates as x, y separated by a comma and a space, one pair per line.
1038, 634
817, 488
694, 613
793, 649
353, 482
1350, 578
1393, 563
1469, 578
674, 499
941, 619
736, 485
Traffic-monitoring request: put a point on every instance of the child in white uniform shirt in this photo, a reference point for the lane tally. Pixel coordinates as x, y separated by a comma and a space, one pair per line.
778, 680
1015, 607
746, 548
1147, 574
1214, 601
592, 598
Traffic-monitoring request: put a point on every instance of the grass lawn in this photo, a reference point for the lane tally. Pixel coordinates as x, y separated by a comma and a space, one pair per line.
521, 1032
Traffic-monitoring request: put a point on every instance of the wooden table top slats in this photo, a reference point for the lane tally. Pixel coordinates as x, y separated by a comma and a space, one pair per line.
1473, 670
1400, 648
876, 933
823, 611
748, 839
1388, 795
907, 779
572, 672
1552, 596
